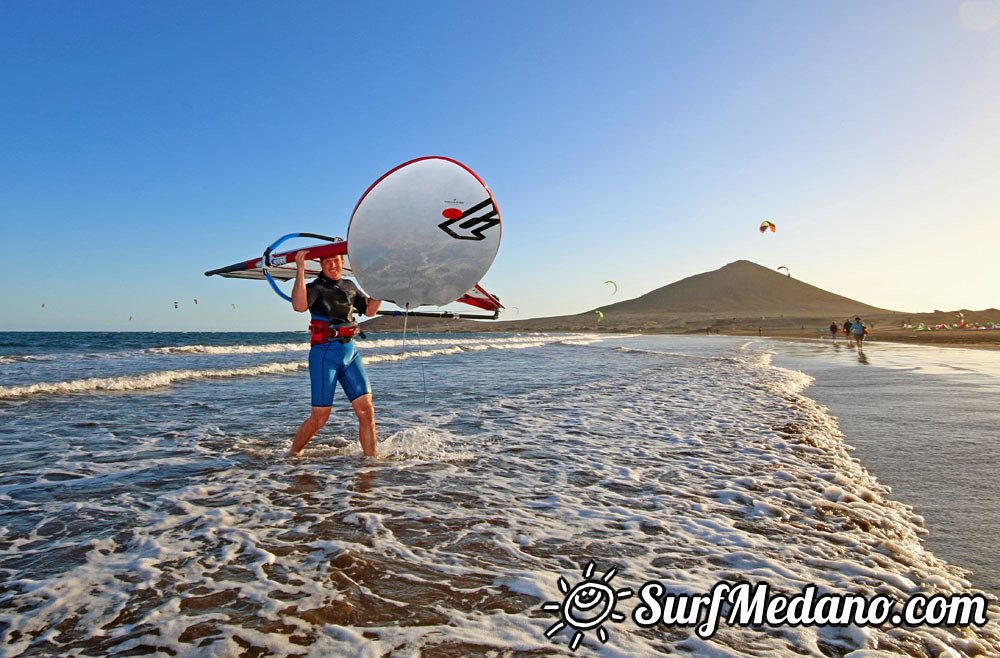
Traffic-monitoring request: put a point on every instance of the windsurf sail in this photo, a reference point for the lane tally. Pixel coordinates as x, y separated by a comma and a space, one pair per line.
423, 234
283, 268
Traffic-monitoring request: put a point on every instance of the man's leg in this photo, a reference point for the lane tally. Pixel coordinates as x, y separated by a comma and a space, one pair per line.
366, 423
317, 419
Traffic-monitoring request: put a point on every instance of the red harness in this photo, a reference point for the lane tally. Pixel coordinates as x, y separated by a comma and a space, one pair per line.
321, 332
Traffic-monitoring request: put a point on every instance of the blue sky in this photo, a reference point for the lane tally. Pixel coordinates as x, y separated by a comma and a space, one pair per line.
142, 143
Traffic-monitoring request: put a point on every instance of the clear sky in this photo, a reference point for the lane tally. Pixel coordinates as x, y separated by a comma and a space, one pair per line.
142, 143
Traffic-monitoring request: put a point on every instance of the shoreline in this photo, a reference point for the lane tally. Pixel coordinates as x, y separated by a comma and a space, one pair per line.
987, 339
984, 340
953, 508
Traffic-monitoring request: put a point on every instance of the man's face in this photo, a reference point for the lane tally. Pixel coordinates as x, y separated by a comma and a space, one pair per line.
333, 267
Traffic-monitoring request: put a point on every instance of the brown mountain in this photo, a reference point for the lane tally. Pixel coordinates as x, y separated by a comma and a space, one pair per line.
740, 294
742, 289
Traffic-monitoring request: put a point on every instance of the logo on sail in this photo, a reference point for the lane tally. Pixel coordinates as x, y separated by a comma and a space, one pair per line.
466, 225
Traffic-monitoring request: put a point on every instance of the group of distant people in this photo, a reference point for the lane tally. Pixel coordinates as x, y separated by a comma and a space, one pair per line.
853, 331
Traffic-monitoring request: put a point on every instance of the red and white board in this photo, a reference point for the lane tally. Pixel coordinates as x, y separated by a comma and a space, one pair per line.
282, 265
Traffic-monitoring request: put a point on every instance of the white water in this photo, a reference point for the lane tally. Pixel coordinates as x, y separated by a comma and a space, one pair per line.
170, 518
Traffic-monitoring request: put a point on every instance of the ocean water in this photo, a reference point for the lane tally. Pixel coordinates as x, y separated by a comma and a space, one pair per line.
926, 422
147, 504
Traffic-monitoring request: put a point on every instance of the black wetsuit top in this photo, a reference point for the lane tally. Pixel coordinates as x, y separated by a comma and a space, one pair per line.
334, 301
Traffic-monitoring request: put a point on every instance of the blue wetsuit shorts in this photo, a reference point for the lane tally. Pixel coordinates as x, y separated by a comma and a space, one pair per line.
334, 362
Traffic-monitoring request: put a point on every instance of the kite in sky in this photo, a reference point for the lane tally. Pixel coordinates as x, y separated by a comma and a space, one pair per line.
766, 225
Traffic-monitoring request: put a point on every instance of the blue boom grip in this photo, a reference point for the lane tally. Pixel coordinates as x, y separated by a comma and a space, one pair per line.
267, 257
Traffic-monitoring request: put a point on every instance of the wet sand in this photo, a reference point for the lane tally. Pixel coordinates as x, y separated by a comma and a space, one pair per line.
982, 339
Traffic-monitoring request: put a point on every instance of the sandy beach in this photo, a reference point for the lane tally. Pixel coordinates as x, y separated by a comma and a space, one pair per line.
808, 329
985, 339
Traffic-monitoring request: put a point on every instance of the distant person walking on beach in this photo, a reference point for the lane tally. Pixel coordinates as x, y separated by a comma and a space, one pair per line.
859, 330
847, 331
833, 331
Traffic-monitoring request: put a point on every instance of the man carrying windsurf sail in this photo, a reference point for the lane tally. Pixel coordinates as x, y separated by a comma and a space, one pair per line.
331, 301
424, 234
